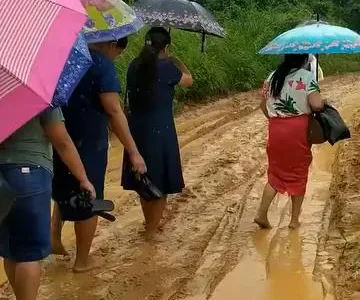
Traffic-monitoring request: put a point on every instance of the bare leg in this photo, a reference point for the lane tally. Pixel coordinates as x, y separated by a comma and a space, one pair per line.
85, 231
10, 268
262, 214
56, 228
27, 280
153, 211
296, 208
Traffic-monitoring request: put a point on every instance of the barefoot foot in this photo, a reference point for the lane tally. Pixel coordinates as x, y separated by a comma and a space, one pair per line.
263, 223
154, 237
294, 225
85, 267
59, 249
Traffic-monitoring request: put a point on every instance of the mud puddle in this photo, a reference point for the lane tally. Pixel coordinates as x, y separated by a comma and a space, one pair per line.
279, 263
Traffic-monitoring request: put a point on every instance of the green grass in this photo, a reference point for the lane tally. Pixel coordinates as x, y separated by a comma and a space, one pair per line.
232, 64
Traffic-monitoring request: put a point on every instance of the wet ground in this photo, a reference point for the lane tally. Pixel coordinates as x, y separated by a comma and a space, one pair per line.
211, 248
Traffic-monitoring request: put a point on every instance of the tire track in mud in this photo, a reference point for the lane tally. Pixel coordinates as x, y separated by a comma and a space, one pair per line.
207, 229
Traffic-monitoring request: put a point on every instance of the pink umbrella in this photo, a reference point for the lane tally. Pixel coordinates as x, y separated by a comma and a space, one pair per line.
36, 38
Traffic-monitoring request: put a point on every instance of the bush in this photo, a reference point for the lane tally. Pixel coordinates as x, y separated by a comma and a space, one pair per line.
232, 64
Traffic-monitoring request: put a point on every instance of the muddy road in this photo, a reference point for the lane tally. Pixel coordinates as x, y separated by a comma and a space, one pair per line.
211, 249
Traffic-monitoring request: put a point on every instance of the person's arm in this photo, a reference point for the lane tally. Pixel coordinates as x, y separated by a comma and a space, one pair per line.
64, 146
186, 78
313, 95
119, 125
316, 102
108, 89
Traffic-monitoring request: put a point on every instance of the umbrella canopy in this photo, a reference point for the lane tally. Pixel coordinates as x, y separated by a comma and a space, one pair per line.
109, 20
315, 39
32, 34
181, 14
78, 63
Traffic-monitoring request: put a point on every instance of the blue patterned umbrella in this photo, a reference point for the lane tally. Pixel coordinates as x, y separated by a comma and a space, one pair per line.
78, 63
315, 39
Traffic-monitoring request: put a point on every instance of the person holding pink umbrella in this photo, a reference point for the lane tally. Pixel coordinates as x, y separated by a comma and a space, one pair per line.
26, 164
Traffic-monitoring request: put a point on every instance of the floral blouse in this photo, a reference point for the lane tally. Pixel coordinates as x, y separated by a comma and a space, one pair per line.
293, 100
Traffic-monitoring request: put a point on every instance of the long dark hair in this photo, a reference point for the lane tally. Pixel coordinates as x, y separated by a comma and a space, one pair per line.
156, 40
291, 62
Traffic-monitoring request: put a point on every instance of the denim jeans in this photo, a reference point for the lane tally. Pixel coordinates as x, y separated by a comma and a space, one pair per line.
25, 233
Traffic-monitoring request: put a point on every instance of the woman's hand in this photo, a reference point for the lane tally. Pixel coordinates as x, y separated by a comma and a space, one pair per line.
86, 185
138, 163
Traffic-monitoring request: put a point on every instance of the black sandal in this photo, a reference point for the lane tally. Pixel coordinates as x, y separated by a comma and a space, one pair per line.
146, 189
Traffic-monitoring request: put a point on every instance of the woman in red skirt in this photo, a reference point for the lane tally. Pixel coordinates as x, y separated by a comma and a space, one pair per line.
290, 93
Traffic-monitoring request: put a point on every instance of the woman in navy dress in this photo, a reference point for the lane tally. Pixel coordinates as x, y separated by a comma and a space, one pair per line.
151, 80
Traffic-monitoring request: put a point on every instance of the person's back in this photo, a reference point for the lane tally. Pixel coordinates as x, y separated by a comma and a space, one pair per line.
85, 117
29, 145
157, 102
293, 98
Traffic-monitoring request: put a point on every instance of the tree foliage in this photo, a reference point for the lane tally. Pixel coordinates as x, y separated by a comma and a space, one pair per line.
345, 12
233, 64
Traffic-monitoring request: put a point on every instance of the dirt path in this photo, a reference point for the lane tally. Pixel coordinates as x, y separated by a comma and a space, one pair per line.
211, 248
339, 259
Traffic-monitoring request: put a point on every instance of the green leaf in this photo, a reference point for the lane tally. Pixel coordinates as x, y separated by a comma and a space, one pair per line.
286, 106
314, 86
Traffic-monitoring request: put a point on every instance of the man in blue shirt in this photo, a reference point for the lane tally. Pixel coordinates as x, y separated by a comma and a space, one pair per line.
94, 105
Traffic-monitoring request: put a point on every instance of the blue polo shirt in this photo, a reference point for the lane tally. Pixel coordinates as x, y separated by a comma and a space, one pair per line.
85, 118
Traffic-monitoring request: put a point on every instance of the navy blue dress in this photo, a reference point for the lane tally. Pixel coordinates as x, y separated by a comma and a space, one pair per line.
152, 126
87, 125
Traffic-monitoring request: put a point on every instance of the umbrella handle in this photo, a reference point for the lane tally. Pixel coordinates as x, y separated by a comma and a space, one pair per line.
317, 67
203, 40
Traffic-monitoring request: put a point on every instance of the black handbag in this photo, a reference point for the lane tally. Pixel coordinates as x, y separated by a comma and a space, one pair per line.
315, 131
7, 198
332, 124
146, 189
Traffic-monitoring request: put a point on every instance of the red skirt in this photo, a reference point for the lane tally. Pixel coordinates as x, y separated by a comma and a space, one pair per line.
289, 154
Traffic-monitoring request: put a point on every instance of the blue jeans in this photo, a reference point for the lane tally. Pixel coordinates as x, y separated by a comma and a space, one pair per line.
25, 233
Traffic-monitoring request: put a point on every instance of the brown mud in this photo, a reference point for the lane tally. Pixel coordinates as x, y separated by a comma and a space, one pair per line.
211, 247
